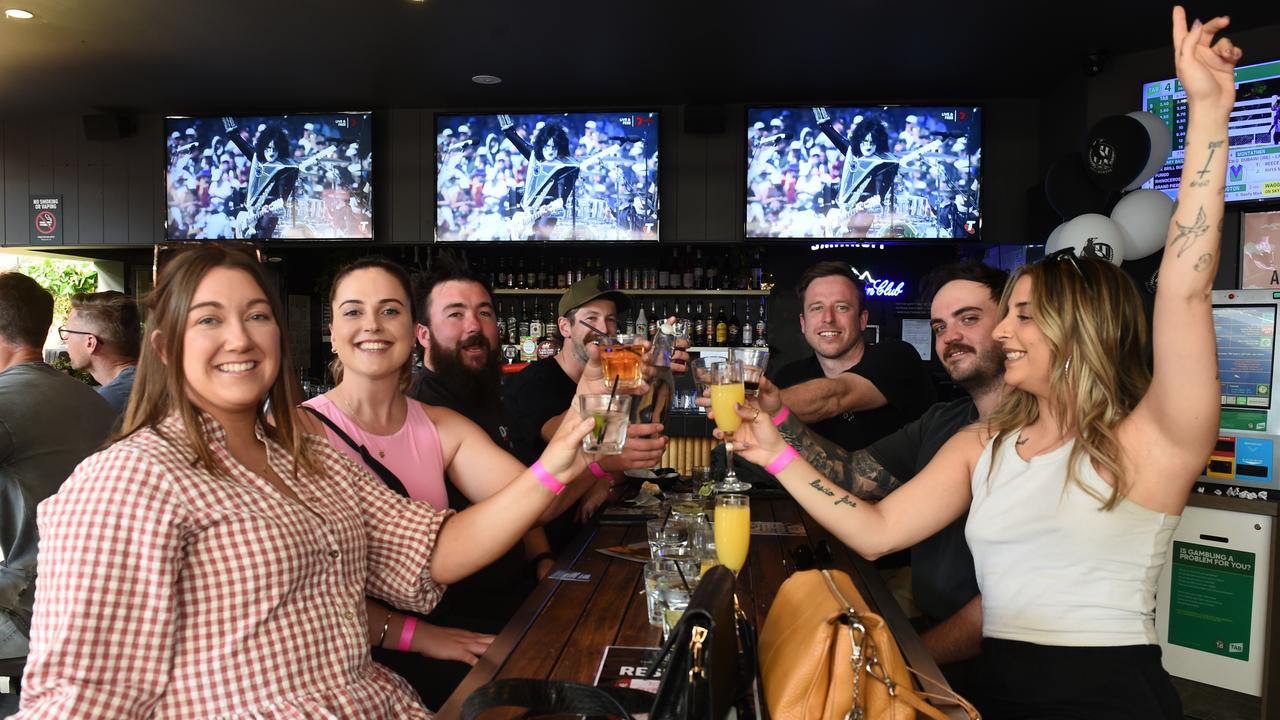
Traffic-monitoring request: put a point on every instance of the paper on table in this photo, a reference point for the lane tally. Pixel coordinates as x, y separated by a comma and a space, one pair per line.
635, 552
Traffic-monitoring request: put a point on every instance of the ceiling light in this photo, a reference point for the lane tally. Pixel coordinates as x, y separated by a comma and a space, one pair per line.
18, 14
486, 79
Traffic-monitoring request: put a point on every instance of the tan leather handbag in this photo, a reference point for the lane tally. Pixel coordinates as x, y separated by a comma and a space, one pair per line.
825, 656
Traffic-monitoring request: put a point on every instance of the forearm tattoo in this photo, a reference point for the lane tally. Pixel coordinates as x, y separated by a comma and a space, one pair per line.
857, 472
1189, 234
1201, 180
844, 498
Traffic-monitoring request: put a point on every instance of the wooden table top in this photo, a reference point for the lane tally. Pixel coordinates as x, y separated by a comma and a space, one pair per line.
562, 629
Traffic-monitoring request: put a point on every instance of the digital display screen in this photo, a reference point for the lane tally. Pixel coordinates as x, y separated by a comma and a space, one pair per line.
1246, 353
265, 177
879, 172
547, 176
1253, 131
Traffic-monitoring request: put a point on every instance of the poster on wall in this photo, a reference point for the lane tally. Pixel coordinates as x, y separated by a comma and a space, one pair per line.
1258, 256
46, 220
1211, 599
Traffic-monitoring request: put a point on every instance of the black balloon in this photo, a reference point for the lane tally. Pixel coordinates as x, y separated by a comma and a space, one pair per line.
1070, 190
1117, 151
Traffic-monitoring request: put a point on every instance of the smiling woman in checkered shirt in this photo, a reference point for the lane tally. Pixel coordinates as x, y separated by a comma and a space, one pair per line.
210, 563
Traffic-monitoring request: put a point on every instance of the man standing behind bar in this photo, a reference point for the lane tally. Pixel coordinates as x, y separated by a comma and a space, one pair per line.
538, 396
104, 336
964, 310
851, 393
48, 424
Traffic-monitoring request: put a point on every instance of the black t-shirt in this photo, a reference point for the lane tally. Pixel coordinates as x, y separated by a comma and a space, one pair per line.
532, 397
942, 576
895, 368
431, 389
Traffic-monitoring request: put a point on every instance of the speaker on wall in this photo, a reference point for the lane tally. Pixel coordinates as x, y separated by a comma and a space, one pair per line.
109, 126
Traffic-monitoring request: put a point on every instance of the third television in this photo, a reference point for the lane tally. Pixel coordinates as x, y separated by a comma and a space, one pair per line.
876, 172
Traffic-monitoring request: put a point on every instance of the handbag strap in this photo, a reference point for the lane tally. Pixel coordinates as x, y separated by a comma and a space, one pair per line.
556, 697
382, 471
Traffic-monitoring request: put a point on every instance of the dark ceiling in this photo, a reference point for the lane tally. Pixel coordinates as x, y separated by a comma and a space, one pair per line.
238, 55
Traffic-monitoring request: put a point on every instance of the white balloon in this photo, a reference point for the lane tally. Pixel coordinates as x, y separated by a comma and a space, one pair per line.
1144, 215
1161, 144
1096, 235
1054, 243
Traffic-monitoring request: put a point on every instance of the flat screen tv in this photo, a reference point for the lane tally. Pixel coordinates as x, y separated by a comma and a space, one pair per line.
582, 176
269, 177
1253, 157
880, 172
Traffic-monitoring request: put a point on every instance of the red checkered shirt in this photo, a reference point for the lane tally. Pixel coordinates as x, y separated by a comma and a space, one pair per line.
168, 592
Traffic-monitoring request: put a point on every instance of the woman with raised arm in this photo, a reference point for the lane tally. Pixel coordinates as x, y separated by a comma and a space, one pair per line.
1075, 485
212, 563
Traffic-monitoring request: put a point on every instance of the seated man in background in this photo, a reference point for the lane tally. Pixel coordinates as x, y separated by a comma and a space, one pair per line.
48, 423
104, 336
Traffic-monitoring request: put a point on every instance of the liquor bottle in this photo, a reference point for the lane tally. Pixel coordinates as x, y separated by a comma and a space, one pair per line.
560, 275
698, 272
547, 345
757, 271
502, 324
631, 323
762, 327
513, 328
502, 273
523, 322
735, 326
748, 330
710, 276
699, 325
722, 327
542, 272
710, 328
608, 276
686, 274
654, 319
535, 324
642, 323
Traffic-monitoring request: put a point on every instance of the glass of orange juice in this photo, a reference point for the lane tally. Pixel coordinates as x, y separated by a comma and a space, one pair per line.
733, 530
727, 392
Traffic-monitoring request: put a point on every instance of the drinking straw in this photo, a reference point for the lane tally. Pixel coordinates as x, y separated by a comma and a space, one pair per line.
608, 408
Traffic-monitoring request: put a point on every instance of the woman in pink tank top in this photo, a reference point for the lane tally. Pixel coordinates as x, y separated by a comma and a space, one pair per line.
373, 337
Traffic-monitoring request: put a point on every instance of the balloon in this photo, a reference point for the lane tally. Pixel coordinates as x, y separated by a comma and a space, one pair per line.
1161, 142
1054, 243
1117, 150
1144, 215
1094, 235
1069, 190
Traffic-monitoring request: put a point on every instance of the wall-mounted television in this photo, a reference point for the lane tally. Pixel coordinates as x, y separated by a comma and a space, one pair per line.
268, 177
547, 176
884, 172
1253, 131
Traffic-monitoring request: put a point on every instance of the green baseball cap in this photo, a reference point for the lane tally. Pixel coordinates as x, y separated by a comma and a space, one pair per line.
591, 287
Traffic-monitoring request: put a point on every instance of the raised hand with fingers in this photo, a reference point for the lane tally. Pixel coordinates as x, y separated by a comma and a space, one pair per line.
1205, 68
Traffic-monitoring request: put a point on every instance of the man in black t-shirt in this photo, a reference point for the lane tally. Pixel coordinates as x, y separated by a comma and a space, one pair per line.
850, 393
537, 397
963, 312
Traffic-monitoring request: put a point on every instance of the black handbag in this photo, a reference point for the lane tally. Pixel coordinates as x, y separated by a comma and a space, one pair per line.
704, 678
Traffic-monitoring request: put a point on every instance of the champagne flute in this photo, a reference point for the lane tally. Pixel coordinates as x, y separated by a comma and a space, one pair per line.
727, 392
733, 530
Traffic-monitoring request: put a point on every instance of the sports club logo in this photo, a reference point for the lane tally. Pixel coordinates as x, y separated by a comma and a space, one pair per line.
1102, 157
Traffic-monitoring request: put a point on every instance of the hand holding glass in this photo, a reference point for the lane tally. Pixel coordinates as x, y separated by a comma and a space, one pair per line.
754, 362
727, 392
612, 414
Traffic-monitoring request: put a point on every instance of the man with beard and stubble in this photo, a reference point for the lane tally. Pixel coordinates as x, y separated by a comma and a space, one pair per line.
963, 312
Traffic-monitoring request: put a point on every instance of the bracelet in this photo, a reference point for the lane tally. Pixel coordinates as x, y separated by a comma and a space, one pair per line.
782, 415
406, 633
599, 472
544, 555
780, 462
386, 624
548, 480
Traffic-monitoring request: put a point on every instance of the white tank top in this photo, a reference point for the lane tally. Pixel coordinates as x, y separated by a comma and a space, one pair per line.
1053, 567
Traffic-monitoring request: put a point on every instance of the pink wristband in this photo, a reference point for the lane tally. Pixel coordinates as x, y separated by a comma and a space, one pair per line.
406, 633
782, 415
548, 480
780, 462
599, 472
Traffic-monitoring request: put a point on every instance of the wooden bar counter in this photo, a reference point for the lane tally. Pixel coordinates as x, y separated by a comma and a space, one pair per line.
561, 631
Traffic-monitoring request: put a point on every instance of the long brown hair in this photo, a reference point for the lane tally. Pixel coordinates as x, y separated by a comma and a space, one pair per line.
1093, 320
160, 388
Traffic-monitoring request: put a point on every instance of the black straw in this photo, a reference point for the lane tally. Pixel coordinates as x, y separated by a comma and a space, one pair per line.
608, 408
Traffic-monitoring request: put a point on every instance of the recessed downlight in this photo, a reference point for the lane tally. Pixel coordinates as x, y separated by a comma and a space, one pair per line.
18, 14
486, 79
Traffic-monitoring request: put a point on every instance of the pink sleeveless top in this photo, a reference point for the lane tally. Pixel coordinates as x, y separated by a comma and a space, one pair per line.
413, 452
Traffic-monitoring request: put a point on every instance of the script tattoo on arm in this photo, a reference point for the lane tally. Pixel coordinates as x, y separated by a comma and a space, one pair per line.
1189, 234
1201, 180
844, 499
857, 472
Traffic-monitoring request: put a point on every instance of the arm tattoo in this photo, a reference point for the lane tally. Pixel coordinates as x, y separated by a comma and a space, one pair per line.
1189, 234
1202, 181
1204, 262
857, 472
844, 499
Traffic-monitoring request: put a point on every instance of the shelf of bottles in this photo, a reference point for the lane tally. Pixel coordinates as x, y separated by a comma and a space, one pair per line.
668, 293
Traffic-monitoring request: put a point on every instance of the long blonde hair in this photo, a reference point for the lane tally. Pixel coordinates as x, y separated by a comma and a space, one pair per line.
1093, 320
160, 388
